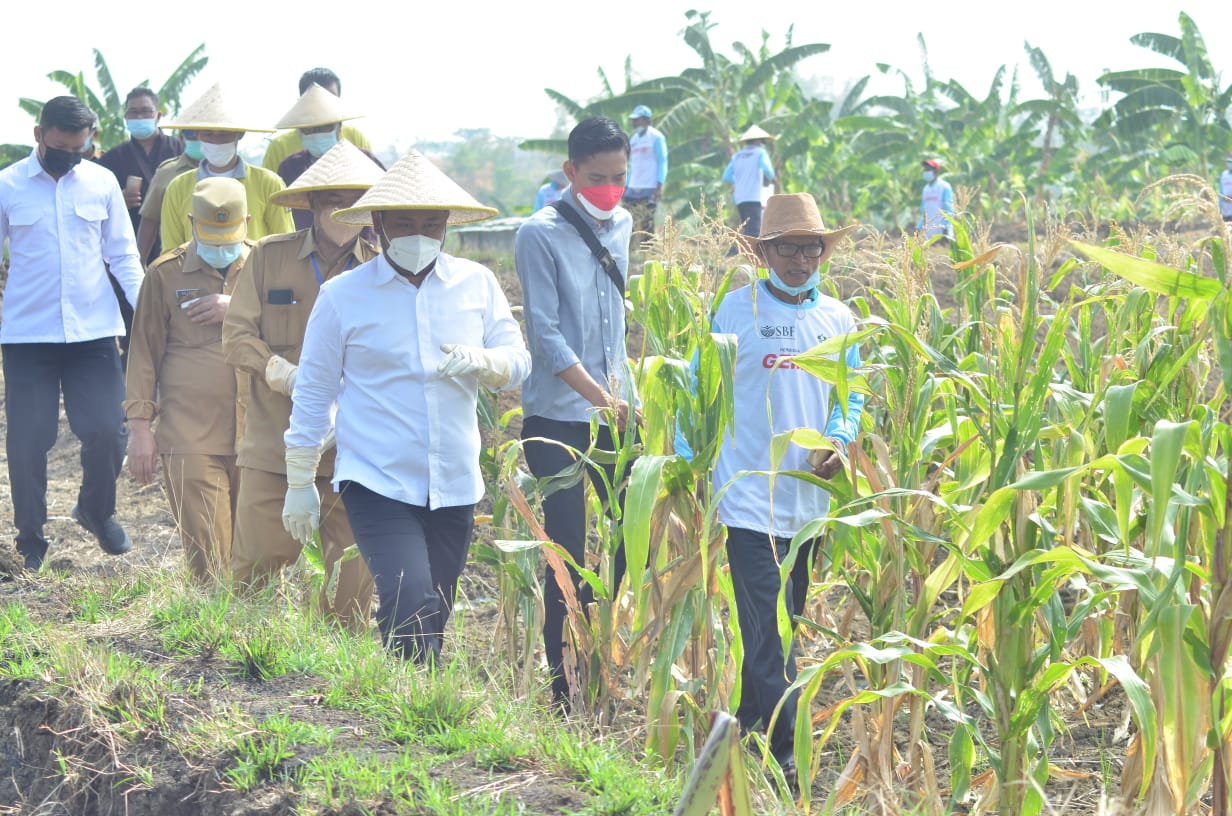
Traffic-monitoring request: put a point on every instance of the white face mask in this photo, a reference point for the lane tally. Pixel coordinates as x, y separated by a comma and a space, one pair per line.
219, 155
414, 253
336, 232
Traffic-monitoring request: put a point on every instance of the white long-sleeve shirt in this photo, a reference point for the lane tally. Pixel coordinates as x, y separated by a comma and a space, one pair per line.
62, 236
372, 344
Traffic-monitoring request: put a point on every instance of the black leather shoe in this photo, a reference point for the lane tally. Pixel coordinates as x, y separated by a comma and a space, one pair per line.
111, 536
33, 551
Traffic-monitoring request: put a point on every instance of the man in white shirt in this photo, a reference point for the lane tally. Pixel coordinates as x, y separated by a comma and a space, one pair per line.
400, 345
647, 172
65, 221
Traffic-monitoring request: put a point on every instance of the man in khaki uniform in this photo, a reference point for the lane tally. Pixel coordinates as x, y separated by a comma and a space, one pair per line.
262, 337
178, 381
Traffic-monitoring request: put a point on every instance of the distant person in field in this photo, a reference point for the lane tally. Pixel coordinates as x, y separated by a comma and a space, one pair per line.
774, 319
400, 346
139, 157
262, 337
181, 394
573, 308
749, 172
318, 116
149, 241
291, 141
65, 222
647, 172
220, 131
551, 190
937, 201
1225, 191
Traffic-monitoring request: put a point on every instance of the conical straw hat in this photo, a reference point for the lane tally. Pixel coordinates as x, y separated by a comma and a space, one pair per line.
343, 167
415, 183
755, 132
315, 108
210, 112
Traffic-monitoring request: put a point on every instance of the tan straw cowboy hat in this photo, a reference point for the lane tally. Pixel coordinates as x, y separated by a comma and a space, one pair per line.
415, 183
343, 167
315, 108
755, 133
791, 215
211, 112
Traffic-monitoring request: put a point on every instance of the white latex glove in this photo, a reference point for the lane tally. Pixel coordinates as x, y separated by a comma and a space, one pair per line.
280, 374
492, 366
301, 511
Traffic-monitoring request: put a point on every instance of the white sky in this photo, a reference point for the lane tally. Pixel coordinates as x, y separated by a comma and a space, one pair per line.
423, 70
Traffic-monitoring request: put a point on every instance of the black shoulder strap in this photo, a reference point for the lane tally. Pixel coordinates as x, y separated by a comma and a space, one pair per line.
592, 241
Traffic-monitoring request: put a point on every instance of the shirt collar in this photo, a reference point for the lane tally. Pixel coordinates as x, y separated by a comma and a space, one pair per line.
238, 172
309, 246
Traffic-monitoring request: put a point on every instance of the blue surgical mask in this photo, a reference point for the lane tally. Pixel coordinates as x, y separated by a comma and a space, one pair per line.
929, 176
318, 143
219, 257
192, 149
808, 286
141, 128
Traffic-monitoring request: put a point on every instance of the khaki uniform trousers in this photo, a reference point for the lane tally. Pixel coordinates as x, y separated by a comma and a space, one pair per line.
203, 490
263, 546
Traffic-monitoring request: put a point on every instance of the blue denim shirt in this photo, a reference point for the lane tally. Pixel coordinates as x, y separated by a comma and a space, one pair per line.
573, 311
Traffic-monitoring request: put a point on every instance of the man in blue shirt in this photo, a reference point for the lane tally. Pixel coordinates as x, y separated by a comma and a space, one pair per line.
748, 172
647, 172
937, 201
575, 328
551, 190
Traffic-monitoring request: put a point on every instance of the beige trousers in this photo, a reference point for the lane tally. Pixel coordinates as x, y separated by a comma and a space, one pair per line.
263, 547
203, 490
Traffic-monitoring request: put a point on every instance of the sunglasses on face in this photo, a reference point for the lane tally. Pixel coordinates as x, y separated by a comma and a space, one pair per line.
784, 250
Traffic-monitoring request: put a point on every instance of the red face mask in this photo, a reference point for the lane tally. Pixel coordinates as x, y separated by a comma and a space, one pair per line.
604, 197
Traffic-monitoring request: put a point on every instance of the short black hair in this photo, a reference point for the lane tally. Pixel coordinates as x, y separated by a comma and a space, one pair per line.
66, 113
319, 76
598, 134
139, 91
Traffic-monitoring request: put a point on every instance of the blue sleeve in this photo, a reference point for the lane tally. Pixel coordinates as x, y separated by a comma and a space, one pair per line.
729, 173
845, 428
681, 445
947, 199
660, 148
538, 201
920, 224
766, 167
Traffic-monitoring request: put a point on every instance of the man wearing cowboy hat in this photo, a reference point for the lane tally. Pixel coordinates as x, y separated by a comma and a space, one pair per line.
573, 305
647, 171
318, 118
219, 132
773, 320
178, 381
401, 345
937, 200
748, 172
289, 141
262, 337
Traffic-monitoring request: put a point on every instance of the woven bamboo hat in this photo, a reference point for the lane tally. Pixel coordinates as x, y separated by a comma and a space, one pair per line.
211, 112
755, 133
220, 210
343, 167
415, 183
795, 215
315, 108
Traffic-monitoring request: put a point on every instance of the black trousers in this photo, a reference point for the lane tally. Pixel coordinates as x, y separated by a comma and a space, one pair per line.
766, 672
89, 376
415, 555
564, 519
750, 217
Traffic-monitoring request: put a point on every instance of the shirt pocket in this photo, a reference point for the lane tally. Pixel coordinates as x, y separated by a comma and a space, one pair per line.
23, 217
282, 319
90, 218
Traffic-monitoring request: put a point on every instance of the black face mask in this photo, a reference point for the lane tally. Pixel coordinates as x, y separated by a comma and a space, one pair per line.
58, 162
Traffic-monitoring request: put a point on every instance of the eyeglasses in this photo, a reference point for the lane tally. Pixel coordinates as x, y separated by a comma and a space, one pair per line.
807, 250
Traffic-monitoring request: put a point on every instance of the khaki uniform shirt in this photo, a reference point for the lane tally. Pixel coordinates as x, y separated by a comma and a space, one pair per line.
176, 371
152, 201
268, 315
